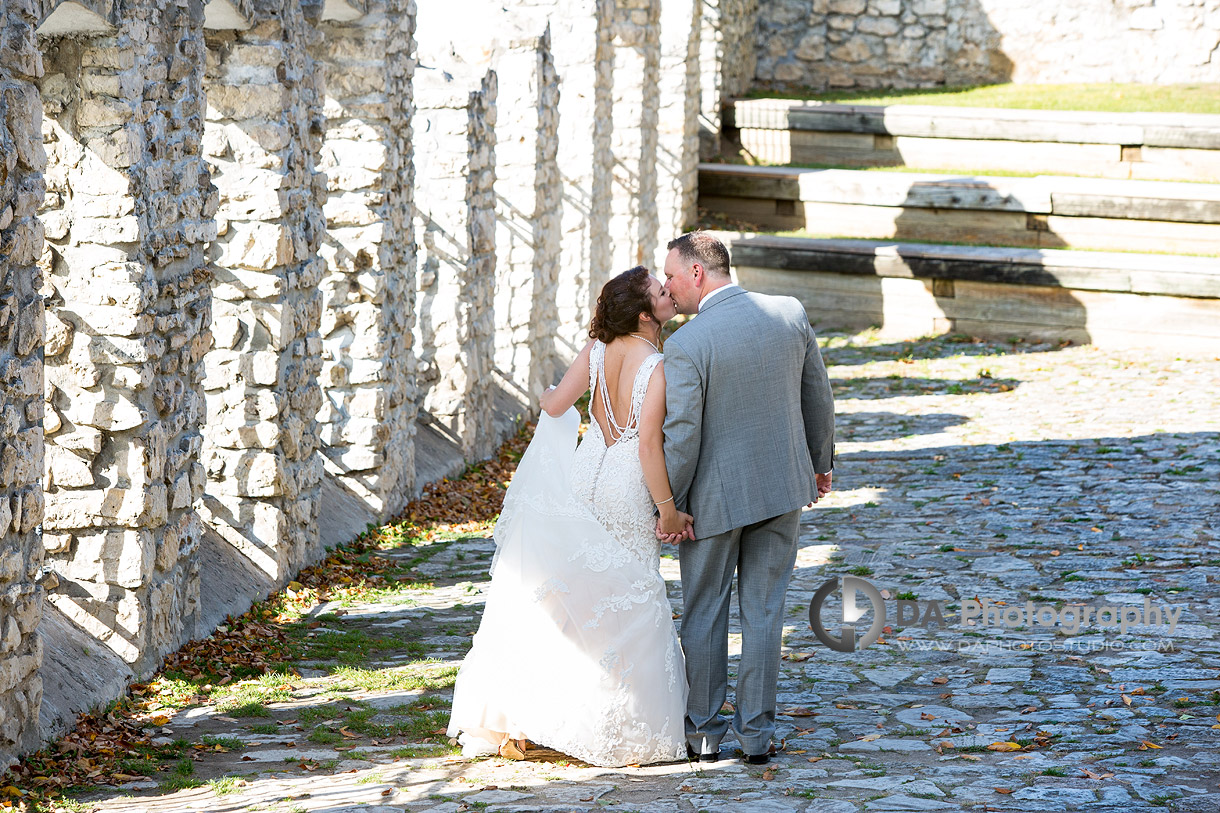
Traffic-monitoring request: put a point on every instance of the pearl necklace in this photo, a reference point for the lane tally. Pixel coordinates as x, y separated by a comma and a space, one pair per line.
641, 338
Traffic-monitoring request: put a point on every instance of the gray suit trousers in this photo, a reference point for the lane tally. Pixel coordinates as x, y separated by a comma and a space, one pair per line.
762, 555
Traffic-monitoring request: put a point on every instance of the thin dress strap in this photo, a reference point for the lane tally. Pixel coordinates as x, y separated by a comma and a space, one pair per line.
639, 387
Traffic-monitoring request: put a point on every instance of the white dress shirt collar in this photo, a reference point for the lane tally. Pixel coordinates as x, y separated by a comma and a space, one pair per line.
713, 293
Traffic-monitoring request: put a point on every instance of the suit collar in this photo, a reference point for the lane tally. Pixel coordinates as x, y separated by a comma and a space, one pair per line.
722, 295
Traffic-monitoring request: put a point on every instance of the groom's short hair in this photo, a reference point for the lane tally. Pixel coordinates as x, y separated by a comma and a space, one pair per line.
701, 247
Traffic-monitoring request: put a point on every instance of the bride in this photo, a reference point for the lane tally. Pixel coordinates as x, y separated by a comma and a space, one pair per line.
577, 649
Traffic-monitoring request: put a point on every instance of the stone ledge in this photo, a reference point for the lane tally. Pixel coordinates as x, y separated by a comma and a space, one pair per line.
1165, 275
1180, 130
1044, 194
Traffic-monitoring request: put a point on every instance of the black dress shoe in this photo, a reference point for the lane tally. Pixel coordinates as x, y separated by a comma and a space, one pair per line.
761, 759
692, 755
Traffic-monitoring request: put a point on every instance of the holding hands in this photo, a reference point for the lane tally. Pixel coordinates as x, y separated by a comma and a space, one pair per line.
673, 525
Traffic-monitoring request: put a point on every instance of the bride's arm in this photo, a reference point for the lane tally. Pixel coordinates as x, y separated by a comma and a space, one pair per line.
558, 400
652, 456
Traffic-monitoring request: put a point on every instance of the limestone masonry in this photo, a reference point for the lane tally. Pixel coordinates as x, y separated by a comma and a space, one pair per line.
845, 44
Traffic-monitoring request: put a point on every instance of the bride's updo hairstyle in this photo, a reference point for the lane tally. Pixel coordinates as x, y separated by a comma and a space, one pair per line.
620, 304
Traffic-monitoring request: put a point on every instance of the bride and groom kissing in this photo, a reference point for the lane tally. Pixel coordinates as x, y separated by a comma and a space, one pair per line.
715, 446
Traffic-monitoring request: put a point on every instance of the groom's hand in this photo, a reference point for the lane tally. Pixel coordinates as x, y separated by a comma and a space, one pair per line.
823, 481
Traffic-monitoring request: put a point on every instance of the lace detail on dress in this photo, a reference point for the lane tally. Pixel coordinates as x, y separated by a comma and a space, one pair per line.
610, 479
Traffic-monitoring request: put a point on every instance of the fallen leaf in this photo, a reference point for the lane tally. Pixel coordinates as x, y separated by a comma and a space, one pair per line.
940, 680
1004, 746
1145, 745
768, 774
1003, 790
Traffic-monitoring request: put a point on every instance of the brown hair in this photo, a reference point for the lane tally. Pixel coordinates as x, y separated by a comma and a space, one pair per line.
620, 304
701, 247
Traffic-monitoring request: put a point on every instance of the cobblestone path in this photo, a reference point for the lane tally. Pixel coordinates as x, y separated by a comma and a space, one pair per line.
967, 472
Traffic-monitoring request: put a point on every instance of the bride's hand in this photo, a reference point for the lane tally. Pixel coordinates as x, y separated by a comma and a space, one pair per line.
674, 526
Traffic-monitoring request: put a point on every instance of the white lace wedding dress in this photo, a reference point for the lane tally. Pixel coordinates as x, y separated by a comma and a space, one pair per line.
577, 649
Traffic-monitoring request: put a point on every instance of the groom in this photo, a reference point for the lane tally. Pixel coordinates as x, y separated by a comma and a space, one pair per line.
749, 439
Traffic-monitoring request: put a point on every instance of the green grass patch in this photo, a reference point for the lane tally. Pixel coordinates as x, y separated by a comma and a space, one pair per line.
349, 646
232, 743
324, 736
245, 699
427, 674
224, 785
1097, 97
313, 714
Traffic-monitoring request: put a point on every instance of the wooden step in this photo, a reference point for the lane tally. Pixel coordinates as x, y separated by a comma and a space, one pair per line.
914, 289
1182, 146
1040, 212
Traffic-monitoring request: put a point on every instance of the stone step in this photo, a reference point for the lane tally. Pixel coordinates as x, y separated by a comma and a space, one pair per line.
1085, 270
1184, 130
1104, 297
1041, 212
1183, 146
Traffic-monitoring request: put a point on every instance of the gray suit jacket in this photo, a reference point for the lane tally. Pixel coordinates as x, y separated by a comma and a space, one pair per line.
749, 414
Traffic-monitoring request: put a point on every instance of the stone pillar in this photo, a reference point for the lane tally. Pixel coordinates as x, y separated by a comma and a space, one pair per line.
263, 134
586, 160
637, 63
21, 382
128, 215
455, 227
677, 153
367, 422
528, 195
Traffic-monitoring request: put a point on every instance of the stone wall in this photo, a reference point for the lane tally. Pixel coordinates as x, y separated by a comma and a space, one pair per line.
455, 228
264, 128
584, 61
300, 259
368, 372
841, 44
128, 217
21, 375
528, 210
